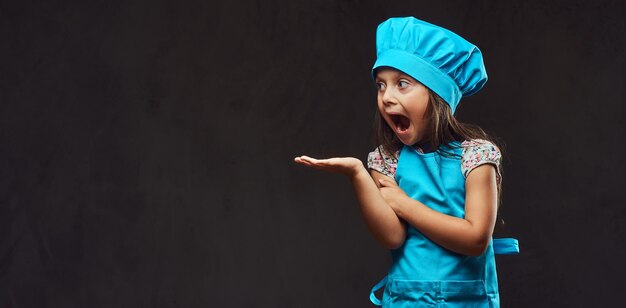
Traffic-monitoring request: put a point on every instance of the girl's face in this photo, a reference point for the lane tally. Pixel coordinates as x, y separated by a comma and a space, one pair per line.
402, 102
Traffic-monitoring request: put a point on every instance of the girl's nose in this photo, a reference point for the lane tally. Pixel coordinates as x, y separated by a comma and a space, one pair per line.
388, 98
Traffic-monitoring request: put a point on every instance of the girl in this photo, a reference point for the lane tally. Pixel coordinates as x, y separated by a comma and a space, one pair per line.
432, 192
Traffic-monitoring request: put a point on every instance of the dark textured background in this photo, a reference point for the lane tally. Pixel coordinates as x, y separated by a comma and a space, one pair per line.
146, 149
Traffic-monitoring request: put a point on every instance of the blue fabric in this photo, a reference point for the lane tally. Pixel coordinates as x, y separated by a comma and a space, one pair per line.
422, 272
501, 246
438, 58
505, 246
377, 287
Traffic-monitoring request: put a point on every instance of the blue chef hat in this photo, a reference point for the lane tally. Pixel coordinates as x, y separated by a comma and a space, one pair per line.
438, 58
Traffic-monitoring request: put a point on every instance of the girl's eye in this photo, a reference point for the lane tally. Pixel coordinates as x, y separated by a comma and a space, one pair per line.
380, 86
403, 83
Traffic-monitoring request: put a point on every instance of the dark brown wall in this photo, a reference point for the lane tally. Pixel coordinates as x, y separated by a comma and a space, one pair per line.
146, 149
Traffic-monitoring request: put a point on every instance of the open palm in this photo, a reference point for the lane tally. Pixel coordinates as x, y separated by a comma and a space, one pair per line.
345, 165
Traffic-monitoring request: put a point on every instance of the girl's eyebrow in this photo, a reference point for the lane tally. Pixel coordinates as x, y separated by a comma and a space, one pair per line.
392, 78
394, 75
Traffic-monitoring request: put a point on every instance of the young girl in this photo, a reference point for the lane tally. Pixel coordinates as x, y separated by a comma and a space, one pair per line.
432, 192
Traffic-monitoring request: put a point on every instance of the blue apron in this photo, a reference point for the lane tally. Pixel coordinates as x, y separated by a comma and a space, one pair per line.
424, 274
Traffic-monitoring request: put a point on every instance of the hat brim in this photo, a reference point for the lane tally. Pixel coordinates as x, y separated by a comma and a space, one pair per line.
421, 71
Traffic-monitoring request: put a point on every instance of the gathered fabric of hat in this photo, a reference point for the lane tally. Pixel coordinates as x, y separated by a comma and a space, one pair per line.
440, 59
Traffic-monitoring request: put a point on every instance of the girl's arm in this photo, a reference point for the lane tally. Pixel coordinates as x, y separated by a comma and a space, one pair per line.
470, 235
379, 217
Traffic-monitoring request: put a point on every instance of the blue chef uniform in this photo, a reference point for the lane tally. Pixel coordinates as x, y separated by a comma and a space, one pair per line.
424, 273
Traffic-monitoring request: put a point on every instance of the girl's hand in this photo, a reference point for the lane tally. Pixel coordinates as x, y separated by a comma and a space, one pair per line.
392, 193
349, 166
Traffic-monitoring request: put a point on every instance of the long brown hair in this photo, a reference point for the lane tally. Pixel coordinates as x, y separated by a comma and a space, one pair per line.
442, 128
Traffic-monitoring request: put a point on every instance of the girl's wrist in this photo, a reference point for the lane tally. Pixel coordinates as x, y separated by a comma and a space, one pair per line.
359, 171
399, 205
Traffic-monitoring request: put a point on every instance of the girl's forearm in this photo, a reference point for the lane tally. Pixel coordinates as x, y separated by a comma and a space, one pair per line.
379, 217
453, 233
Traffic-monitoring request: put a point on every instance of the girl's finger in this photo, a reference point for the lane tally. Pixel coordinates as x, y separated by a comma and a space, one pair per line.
302, 162
304, 159
319, 162
387, 183
310, 159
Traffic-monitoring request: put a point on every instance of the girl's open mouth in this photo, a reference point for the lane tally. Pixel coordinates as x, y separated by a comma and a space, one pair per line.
401, 122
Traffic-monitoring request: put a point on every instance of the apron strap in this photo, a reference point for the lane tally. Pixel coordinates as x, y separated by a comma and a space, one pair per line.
377, 287
505, 246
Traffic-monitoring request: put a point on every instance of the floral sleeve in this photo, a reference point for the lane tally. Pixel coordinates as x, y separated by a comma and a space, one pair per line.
478, 152
382, 162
